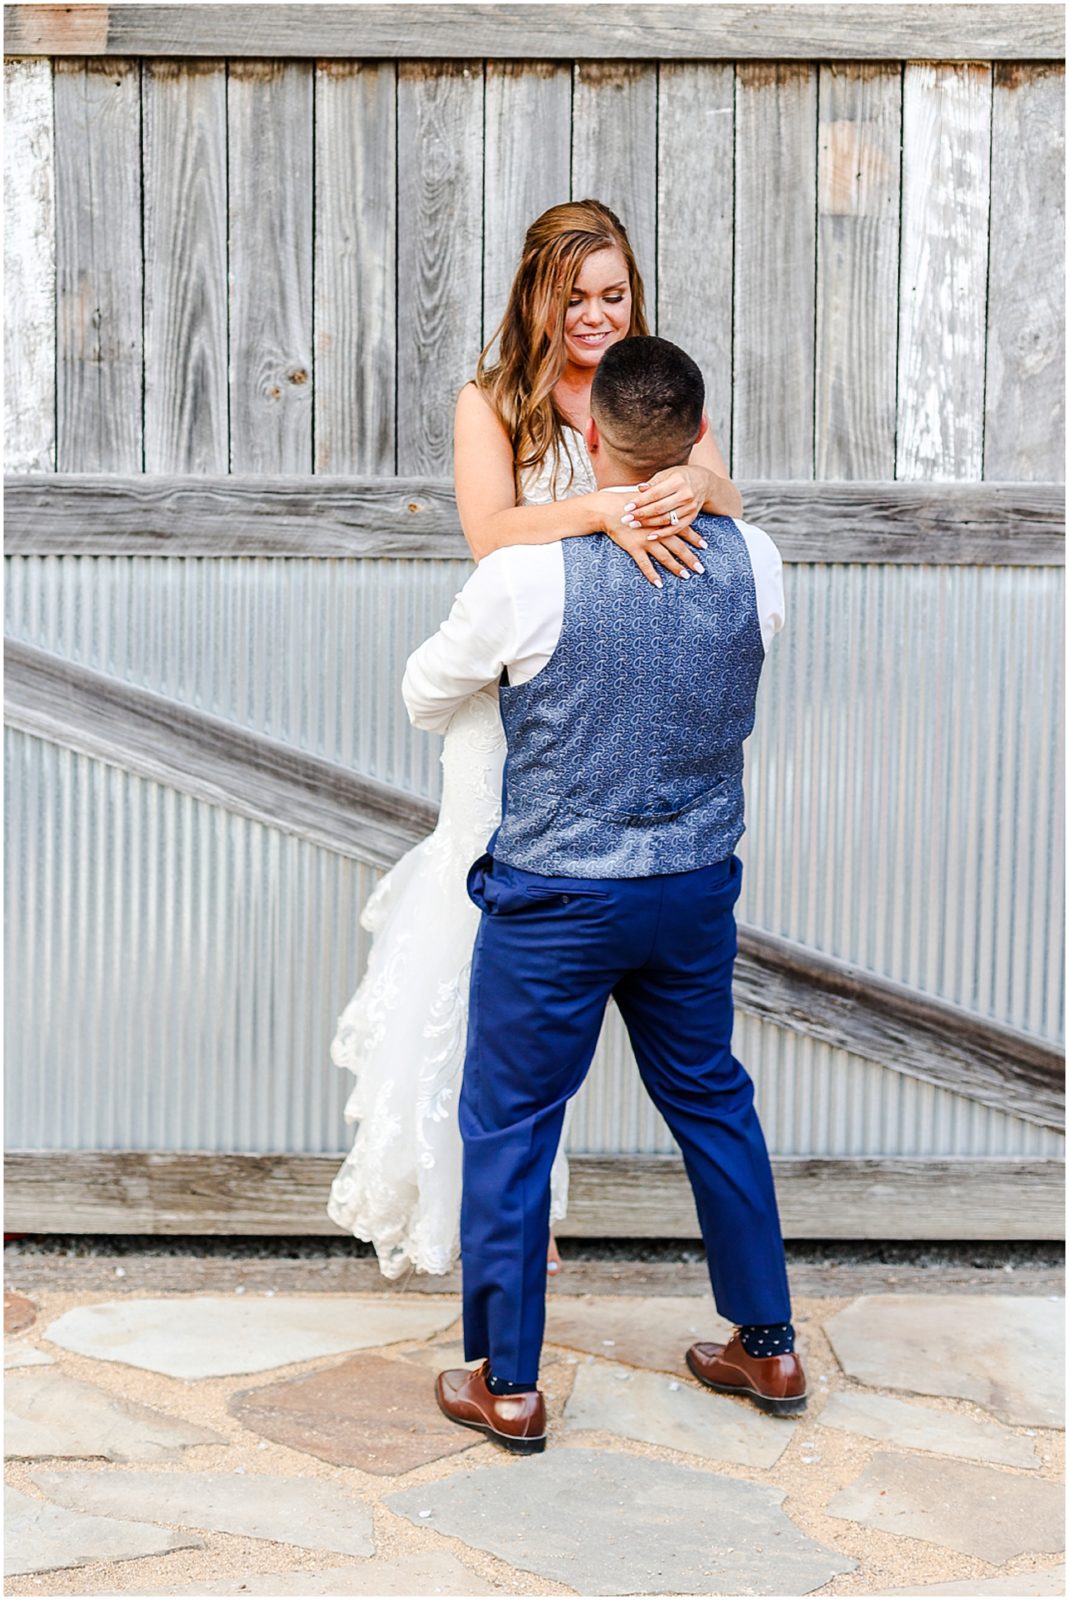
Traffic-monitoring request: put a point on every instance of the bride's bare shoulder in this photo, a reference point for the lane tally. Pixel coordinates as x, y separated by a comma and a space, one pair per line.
479, 437
472, 402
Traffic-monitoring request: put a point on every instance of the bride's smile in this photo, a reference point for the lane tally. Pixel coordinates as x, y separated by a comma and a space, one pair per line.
598, 313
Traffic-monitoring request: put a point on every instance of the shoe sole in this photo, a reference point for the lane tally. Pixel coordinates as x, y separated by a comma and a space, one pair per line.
517, 1446
781, 1407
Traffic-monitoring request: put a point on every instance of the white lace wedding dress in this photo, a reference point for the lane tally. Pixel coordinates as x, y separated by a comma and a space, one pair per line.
403, 1032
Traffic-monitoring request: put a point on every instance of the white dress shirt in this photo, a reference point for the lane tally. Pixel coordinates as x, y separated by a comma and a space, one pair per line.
510, 613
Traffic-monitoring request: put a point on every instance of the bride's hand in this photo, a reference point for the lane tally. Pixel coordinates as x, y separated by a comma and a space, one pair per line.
682, 490
671, 550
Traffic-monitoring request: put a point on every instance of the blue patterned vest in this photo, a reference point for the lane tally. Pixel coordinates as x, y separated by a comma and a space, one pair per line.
625, 751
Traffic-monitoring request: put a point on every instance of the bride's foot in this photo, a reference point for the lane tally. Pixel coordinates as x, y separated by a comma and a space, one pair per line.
553, 1261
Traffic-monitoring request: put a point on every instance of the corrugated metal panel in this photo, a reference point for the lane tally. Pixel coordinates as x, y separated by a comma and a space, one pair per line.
178, 971
905, 782
174, 975
904, 779
307, 651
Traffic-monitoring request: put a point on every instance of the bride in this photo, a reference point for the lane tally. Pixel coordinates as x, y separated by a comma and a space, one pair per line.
522, 476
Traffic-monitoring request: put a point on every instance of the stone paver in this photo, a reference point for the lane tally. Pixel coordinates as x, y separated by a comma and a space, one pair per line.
661, 1410
25, 1355
19, 1312
49, 1414
368, 1412
423, 1572
1051, 1581
607, 1523
40, 1537
916, 1427
213, 1336
1005, 1352
436, 1357
309, 1512
640, 1331
957, 1505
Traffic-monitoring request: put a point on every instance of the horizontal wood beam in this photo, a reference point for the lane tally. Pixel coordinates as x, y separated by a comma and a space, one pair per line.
825, 998
625, 1196
209, 758
546, 31
775, 979
938, 524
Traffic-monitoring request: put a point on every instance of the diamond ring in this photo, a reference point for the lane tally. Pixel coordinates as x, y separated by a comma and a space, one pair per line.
673, 518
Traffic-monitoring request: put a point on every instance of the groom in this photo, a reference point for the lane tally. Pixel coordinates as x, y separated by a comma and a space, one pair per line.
613, 873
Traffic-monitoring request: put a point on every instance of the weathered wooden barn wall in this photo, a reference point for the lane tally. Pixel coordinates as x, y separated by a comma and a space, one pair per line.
290, 266
228, 270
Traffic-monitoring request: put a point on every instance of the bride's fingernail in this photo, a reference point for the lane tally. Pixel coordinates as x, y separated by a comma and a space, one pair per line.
703, 544
631, 507
628, 522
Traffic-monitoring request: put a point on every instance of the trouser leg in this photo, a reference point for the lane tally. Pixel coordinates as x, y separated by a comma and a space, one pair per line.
679, 1014
538, 995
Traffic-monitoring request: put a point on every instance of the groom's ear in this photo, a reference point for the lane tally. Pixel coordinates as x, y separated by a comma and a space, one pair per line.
591, 435
704, 429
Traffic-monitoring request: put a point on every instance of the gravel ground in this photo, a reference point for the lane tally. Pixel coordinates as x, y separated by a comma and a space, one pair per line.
1044, 1253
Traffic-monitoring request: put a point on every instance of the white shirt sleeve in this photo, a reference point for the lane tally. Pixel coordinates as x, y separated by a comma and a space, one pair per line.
508, 614
768, 579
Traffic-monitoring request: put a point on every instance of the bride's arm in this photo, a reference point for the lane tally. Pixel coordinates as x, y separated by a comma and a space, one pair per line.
490, 518
721, 496
486, 493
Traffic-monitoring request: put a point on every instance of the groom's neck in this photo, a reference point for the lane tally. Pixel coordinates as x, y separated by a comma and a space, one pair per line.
613, 474
610, 472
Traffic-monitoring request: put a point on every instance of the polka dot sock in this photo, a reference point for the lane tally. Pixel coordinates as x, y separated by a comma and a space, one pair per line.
767, 1338
503, 1386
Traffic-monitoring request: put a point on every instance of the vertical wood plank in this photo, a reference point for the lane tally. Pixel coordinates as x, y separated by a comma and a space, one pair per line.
185, 266
858, 175
1024, 427
614, 152
98, 265
269, 116
525, 100
355, 267
29, 268
439, 254
695, 224
946, 119
775, 265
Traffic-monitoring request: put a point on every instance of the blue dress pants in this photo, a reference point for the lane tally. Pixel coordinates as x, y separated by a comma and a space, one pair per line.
548, 954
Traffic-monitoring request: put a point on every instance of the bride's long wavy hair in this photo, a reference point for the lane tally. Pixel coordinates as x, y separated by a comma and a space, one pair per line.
531, 357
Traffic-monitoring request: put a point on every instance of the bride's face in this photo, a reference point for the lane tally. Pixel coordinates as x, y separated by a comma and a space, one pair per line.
599, 309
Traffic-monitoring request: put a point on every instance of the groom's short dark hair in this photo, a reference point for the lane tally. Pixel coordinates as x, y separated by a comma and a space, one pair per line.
647, 400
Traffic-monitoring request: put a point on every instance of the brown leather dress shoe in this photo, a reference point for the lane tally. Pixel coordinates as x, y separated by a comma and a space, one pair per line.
517, 1421
775, 1383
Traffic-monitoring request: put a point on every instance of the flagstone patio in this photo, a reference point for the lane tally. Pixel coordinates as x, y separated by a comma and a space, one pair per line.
288, 1443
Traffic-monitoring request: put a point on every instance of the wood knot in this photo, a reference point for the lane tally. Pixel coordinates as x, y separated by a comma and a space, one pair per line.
300, 376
